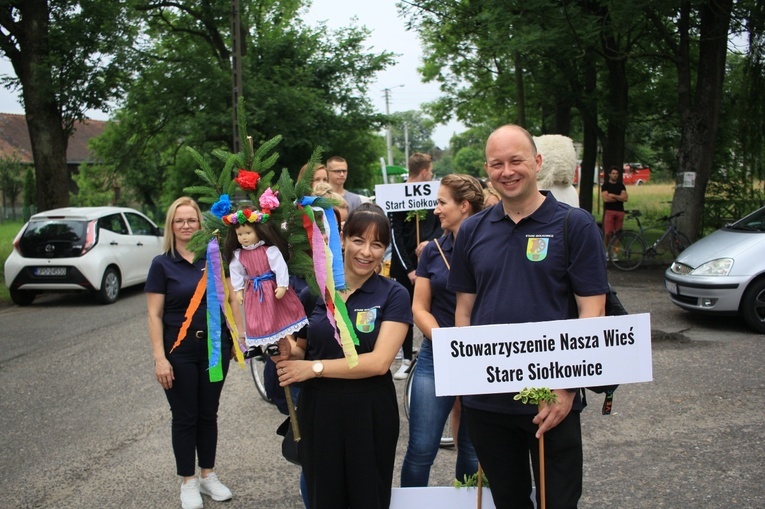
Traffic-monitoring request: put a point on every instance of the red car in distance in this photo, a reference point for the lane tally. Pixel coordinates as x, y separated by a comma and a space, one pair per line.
633, 174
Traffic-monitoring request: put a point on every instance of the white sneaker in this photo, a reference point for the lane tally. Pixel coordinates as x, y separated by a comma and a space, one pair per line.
400, 354
190, 497
403, 371
211, 486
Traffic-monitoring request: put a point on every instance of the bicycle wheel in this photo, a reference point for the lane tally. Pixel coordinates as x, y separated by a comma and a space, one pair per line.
447, 440
408, 387
257, 366
678, 243
626, 250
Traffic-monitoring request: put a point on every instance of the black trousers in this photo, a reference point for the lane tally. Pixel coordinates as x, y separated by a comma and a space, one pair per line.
194, 401
504, 442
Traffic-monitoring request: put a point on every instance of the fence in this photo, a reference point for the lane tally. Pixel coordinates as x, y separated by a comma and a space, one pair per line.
719, 212
13, 214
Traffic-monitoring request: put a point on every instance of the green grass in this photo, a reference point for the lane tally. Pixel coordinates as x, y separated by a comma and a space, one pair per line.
8, 231
654, 201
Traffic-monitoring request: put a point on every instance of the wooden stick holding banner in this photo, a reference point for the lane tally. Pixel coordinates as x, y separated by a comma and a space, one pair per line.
293, 414
535, 396
480, 486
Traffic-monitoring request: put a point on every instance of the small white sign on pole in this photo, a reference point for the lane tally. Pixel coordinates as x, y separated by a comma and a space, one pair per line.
407, 196
587, 352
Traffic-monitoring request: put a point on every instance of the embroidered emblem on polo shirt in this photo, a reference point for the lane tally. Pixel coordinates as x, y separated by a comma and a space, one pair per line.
536, 248
365, 320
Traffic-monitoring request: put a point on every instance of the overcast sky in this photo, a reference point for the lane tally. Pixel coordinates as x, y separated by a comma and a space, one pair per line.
388, 34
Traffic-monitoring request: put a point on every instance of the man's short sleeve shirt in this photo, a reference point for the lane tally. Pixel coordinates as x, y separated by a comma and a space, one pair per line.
519, 274
353, 200
616, 189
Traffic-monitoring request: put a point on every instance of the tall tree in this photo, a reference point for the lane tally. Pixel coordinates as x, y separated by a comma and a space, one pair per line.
10, 182
68, 56
306, 84
697, 41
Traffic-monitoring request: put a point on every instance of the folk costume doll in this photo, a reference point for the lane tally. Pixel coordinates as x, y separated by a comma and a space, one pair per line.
256, 252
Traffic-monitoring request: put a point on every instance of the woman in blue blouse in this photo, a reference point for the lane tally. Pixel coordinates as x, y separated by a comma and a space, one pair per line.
459, 196
349, 417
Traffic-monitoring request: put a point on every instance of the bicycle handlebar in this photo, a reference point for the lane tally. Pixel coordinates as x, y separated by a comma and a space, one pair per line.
673, 216
636, 213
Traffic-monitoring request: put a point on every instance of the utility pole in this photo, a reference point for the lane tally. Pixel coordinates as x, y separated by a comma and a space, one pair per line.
387, 112
236, 70
406, 142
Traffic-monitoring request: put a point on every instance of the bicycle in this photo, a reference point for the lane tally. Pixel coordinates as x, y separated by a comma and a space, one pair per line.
257, 361
447, 438
627, 249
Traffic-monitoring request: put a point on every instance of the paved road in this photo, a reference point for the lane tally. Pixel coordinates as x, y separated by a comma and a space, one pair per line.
84, 425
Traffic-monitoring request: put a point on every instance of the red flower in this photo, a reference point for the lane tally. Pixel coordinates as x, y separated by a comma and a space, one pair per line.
247, 180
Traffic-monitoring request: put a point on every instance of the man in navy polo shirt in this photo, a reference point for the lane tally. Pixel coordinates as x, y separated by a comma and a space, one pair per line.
508, 266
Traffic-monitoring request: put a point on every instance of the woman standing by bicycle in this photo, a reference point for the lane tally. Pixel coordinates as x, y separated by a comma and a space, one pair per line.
459, 197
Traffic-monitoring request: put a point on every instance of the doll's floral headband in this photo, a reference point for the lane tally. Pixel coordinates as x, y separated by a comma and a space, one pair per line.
245, 216
268, 202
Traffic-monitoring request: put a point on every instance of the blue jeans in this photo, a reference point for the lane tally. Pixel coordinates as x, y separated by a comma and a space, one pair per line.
427, 416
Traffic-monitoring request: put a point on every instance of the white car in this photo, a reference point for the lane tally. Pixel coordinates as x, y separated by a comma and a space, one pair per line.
724, 273
97, 249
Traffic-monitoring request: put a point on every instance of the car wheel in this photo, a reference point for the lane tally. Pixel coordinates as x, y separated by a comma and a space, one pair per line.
110, 287
753, 306
22, 297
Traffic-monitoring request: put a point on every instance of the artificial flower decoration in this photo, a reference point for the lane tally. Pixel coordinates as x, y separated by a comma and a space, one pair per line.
268, 201
247, 180
245, 216
221, 207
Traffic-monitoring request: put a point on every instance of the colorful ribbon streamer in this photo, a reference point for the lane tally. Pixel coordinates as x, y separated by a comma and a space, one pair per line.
337, 314
214, 286
196, 299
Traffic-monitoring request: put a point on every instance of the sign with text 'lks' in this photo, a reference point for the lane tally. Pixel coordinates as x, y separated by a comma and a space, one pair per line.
407, 196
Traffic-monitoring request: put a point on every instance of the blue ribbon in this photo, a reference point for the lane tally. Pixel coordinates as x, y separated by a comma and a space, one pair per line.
335, 245
213, 313
257, 282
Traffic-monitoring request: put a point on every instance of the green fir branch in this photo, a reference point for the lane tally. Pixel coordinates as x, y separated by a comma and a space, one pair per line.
536, 395
419, 214
264, 149
471, 481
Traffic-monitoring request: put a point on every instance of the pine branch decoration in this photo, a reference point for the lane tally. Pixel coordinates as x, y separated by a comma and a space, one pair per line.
217, 189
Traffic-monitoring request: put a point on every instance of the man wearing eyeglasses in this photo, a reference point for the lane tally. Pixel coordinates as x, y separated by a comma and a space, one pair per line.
337, 169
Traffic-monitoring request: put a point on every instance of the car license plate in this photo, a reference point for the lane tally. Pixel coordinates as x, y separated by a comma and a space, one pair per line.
50, 271
671, 287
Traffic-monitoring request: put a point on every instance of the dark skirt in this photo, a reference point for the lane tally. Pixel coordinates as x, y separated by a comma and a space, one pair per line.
349, 433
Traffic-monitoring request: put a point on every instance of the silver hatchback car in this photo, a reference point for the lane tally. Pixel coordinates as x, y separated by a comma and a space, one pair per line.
724, 273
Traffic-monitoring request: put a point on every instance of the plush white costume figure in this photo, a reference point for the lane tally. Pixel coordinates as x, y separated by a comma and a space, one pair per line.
558, 167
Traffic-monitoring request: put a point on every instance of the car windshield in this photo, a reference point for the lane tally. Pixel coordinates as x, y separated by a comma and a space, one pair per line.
753, 222
53, 239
